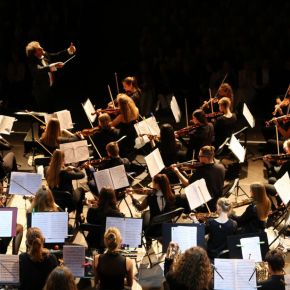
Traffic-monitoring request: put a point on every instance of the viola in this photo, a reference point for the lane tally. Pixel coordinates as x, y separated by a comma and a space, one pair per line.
113, 111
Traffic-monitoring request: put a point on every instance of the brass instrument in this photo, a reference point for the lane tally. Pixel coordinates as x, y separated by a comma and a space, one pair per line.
262, 271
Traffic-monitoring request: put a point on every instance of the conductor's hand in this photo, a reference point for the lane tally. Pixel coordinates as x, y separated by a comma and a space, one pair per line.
59, 64
72, 49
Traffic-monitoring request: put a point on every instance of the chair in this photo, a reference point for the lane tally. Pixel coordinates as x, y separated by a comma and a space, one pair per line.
93, 235
152, 232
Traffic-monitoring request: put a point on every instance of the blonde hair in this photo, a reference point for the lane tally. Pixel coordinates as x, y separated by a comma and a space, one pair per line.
30, 48
112, 239
52, 133
127, 108
104, 119
261, 200
113, 149
193, 269
55, 166
43, 201
286, 144
207, 151
224, 204
34, 242
225, 102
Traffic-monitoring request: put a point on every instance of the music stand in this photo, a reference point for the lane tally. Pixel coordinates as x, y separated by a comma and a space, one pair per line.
235, 249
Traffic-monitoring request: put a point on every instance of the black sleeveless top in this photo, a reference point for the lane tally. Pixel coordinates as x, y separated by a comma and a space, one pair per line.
112, 271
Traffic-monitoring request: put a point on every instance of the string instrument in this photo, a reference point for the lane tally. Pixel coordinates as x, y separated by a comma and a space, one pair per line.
214, 115
93, 162
187, 165
201, 216
90, 131
142, 190
273, 157
112, 111
185, 130
151, 136
284, 119
242, 203
282, 104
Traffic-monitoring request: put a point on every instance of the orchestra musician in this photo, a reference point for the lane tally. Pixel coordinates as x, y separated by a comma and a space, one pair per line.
254, 218
129, 113
132, 89
59, 177
202, 135
224, 125
213, 173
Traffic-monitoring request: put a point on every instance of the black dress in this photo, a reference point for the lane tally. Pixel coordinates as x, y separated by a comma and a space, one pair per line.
275, 282
33, 275
218, 233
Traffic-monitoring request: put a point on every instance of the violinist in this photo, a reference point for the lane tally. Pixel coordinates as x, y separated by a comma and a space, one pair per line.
202, 135
224, 125
213, 173
132, 89
129, 113
160, 199
281, 107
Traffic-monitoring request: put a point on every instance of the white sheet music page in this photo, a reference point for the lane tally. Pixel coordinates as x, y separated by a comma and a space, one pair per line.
244, 270
6, 124
119, 176
287, 281
282, 186
225, 280
6, 223
117, 222
89, 109
185, 236
248, 115
236, 147
54, 225
154, 162
103, 179
197, 193
74, 258
65, 119
75, 151
133, 232
9, 269
24, 183
175, 109
251, 249
47, 117
147, 126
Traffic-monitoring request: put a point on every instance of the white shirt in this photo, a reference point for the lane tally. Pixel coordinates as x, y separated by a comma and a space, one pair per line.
160, 200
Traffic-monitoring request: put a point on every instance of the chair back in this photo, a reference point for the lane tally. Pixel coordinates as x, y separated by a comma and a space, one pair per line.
94, 235
64, 200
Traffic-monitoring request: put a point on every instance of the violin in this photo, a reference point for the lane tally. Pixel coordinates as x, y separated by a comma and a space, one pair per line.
284, 119
113, 111
93, 162
214, 115
273, 157
142, 190
185, 130
187, 165
201, 216
90, 131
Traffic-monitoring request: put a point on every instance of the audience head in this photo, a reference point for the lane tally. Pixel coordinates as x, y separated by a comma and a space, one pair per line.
276, 261
112, 239
60, 278
206, 154
112, 149
223, 205
33, 48
107, 198
52, 133
198, 117
104, 119
43, 201
193, 269
161, 182
34, 243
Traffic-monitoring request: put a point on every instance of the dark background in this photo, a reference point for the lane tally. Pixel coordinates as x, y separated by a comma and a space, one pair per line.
172, 47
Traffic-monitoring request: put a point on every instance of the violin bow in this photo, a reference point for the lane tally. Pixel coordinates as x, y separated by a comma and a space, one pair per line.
43, 147
111, 97
32, 115
117, 84
288, 107
210, 97
216, 94
186, 112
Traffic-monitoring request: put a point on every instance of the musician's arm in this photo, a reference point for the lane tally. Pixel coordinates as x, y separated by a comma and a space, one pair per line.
180, 176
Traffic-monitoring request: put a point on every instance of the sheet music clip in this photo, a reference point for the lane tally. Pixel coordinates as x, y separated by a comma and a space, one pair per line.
255, 270
215, 269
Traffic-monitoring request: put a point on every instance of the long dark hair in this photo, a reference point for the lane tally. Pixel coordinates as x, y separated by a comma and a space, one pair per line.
200, 116
164, 184
107, 199
167, 139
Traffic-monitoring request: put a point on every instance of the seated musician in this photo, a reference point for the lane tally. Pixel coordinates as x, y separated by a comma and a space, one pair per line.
224, 125
213, 173
160, 199
201, 135
254, 218
132, 89
276, 263
129, 113
112, 270
53, 136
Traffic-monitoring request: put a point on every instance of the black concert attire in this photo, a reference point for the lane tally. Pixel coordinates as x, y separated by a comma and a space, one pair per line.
43, 79
273, 282
112, 271
214, 175
136, 97
104, 136
199, 137
249, 221
7, 164
224, 128
218, 233
33, 275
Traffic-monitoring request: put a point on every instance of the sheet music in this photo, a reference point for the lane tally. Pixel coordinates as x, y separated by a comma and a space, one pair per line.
147, 126
47, 117
248, 115
236, 147
236, 274
154, 162
130, 229
119, 176
24, 183
103, 179
75, 151
251, 249
6, 124
175, 109
65, 119
89, 109
197, 193
54, 225
74, 258
287, 281
6, 224
282, 186
185, 236
141, 141
9, 269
